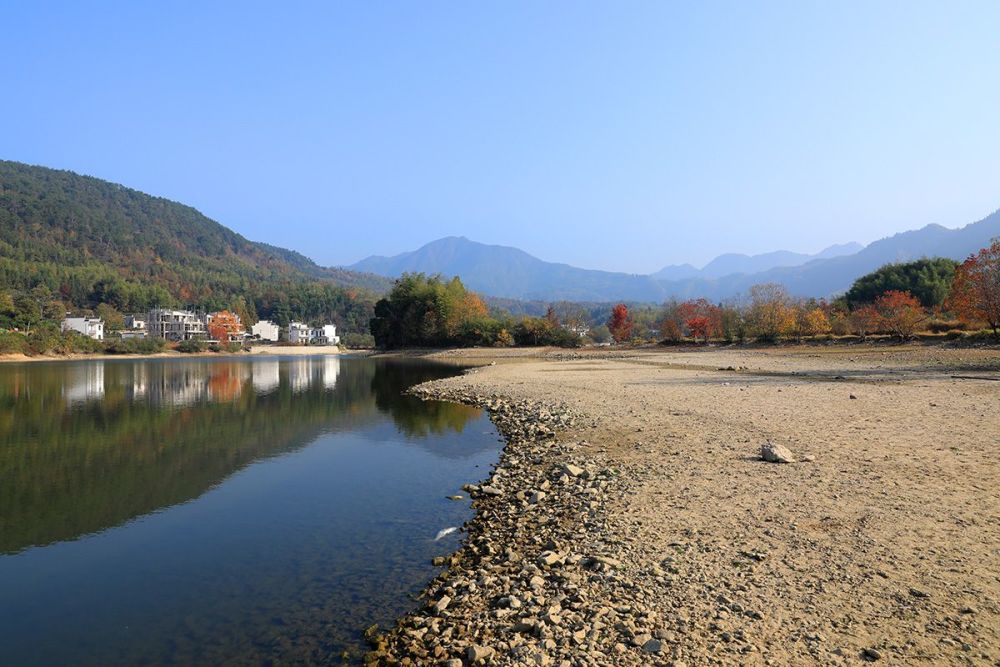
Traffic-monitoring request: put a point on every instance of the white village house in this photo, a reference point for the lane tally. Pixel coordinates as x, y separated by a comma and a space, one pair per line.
298, 333
266, 330
92, 327
302, 334
325, 335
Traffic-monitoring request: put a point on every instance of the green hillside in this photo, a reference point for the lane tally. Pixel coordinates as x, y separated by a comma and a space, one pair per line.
87, 241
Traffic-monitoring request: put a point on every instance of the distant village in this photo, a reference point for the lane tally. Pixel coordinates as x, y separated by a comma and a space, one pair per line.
218, 327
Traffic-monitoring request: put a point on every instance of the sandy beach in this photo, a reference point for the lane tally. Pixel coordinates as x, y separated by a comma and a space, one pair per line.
631, 520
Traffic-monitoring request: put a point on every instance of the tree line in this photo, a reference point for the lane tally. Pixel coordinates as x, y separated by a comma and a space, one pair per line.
897, 300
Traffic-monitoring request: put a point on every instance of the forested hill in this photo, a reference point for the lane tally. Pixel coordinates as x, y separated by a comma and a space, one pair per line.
88, 241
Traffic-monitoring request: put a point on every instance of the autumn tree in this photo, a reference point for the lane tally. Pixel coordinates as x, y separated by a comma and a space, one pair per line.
701, 319
975, 294
224, 326
899, 313
733, 326
620, 323
671, 324
770, 314
464, 308
865, 321
811, 320
550, 315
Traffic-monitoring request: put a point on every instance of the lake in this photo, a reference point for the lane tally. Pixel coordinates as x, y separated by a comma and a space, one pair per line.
207, 510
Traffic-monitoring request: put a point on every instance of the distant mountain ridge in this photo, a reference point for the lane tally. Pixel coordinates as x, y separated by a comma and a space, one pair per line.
731, 263
506, 272
509, 272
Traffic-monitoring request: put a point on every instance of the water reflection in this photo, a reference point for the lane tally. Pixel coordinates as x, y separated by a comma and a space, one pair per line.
221, 510
85, 446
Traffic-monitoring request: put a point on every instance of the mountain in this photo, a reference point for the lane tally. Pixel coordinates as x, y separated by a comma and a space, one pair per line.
90, 241
731, 263
500, 271
508, 272
834, 275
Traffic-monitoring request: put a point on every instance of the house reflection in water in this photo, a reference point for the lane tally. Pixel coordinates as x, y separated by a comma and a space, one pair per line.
185, 383
84, 383
331, 369
266, 376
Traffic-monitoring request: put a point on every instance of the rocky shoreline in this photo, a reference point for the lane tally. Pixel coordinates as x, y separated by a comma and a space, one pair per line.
540, 579
634, 519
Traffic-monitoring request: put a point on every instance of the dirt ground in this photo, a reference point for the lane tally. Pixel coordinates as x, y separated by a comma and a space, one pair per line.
884, 546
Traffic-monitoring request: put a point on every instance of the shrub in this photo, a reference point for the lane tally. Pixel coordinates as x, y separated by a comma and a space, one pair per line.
135, 346
190, 346
942, 325
13, 342
358, 341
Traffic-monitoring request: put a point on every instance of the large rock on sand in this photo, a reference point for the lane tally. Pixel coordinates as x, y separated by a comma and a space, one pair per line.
773, 453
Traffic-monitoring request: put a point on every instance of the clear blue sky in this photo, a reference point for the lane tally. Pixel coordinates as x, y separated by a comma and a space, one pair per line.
609, 135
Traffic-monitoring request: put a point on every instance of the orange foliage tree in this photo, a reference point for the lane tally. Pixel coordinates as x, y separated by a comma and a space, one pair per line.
620, 323
467, 307
811, 321
899, 313
771, 314
224, 326
975, 293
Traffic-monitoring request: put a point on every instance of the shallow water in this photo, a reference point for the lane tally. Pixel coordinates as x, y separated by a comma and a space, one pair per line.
211, 510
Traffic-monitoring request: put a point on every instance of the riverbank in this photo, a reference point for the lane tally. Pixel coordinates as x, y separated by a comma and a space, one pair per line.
630, 520
314, 350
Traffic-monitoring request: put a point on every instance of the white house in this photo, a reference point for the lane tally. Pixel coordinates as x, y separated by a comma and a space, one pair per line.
92, 327
298, 333
325, 335
265, 330
135, 322
176, 325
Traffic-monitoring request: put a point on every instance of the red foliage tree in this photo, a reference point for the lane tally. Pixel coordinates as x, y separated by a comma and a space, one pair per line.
702, 319
620, 323
899, 313
975, 293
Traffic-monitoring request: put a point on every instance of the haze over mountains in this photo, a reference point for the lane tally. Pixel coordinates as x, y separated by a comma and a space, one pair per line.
730, 263
502, 271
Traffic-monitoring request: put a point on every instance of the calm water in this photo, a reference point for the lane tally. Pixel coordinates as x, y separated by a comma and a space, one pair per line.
211, 510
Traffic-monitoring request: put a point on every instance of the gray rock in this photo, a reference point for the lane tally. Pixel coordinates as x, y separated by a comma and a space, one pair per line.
773, 453
653, 646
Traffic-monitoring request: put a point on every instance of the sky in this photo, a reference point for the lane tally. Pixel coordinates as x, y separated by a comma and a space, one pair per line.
620, 136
